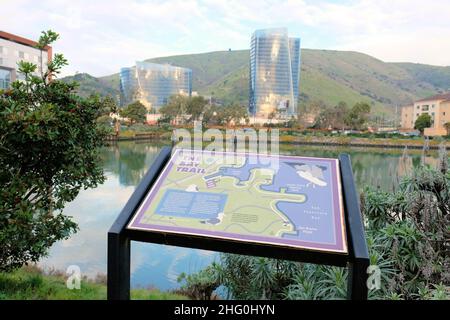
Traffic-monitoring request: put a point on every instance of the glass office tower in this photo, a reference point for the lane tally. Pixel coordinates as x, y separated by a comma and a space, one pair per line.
153, 84
274, 73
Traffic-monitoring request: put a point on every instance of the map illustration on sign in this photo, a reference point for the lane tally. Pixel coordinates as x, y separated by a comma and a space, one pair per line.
278, 200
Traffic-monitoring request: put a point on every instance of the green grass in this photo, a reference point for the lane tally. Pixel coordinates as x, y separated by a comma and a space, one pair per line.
31, 284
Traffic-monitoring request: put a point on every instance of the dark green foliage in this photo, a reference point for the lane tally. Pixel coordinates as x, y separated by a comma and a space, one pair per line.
232, 113
195, 106
201, 285
49, 142
134, 112
330, 117
339, 116
447, 127
408, 236
412, 225
357, 117
422, 122
176, 106
192, 108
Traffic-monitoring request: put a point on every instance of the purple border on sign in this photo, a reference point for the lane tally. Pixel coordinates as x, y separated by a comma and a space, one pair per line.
339, 226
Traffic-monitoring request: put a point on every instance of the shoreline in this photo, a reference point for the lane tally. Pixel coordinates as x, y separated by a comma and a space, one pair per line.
386, 143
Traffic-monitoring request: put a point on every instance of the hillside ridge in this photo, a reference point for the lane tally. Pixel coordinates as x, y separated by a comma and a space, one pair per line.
327, 75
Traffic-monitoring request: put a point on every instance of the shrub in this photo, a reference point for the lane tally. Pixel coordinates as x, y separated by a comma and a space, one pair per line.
408, 236
49, 151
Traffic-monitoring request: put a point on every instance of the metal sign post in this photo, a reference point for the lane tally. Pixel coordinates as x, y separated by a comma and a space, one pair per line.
120, 236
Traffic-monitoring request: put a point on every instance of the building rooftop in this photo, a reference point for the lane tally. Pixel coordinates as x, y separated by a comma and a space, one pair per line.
24, 41
442, 96
271, 32
158, 66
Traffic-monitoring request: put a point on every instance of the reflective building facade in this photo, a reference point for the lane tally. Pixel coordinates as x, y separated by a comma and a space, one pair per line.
152, 84
274, 72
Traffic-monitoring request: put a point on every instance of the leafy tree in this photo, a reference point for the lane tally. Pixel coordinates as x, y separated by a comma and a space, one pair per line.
211, 115
422, 122
176, 106
272, 116
358, 115
49, 151
195, 106
231, 113
109, 106
447, 127
292, 123
135, 112
333, 117
104, 122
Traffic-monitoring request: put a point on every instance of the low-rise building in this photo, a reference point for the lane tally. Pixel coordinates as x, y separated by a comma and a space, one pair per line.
437, 107
14, 49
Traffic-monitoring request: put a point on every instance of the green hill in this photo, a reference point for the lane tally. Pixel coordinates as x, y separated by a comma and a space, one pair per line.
105, 86
330, 76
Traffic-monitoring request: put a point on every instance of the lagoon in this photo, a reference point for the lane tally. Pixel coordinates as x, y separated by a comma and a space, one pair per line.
125, 163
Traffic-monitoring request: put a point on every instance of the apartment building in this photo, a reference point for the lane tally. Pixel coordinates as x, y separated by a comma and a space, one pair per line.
437, 106
13, 49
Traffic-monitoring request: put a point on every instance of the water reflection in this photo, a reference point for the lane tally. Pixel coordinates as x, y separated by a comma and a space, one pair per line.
126, 163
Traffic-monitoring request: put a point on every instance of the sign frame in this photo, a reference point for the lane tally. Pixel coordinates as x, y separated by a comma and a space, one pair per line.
120, 237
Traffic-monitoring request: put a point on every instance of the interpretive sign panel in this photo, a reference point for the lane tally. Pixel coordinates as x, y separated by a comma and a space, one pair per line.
277, 200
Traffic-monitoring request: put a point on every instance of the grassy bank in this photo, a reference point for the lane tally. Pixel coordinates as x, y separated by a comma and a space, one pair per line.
31, 283
308, 138
362, 141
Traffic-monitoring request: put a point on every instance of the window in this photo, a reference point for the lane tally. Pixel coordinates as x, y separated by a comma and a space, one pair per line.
432, 106
443, 113
21, 54
5, 78
425, 107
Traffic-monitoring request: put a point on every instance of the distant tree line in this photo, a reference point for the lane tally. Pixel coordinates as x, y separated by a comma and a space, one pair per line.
340, 116
187, 109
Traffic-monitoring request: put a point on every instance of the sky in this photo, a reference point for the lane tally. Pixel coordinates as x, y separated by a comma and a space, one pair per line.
101, 36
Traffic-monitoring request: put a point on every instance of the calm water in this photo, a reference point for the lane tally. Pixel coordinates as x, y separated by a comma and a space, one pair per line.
159, 266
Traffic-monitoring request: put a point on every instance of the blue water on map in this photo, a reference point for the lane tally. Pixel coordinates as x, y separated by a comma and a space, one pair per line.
242, 173
315, 216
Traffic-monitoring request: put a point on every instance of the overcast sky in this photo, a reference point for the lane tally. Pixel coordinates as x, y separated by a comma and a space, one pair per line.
101, 36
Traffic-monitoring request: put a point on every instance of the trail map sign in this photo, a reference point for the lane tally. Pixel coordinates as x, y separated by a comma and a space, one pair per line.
284, 207
278, 200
